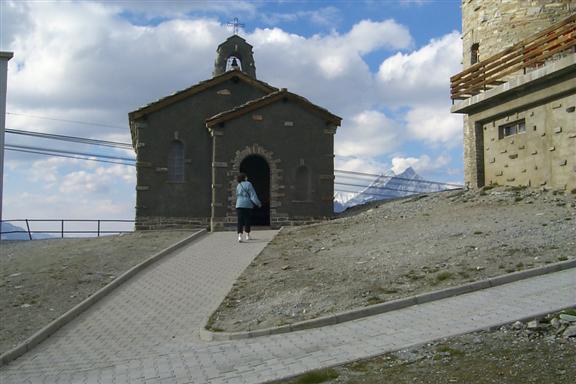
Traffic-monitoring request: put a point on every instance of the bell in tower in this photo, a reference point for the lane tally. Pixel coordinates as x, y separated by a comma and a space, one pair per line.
233, 64
235, 53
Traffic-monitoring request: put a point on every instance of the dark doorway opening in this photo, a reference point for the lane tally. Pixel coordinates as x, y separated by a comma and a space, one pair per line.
258, 173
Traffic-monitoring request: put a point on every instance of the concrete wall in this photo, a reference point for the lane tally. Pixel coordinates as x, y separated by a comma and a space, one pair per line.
545, 153
287, 135
160, 203
495, 25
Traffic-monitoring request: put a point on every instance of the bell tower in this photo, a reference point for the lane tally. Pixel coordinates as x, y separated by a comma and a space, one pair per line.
235, 54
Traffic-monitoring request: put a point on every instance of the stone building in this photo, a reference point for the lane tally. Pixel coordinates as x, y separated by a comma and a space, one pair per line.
518, 93
191, 145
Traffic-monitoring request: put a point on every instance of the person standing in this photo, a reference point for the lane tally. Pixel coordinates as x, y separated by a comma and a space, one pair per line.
246, 199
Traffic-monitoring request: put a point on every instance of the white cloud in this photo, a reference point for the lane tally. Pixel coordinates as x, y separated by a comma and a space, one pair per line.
330, 69
369, 133
57, 206
97, 181
368, 35
435, 125
88, 61
422, 164
46, 171
360, 164
422, 76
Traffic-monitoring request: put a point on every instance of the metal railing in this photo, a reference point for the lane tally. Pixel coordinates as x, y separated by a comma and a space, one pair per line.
62, 231
532, 52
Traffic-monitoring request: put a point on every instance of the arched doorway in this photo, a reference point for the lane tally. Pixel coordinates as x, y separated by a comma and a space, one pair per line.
258, 172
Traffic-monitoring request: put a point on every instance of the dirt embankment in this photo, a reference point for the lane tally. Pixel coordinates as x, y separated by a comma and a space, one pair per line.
42, 279
397, 249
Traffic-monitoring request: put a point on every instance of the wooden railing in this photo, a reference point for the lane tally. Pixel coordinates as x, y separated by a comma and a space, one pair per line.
530, 53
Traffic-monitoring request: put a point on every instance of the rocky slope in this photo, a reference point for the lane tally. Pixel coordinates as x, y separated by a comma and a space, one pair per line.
42, 279
400, 248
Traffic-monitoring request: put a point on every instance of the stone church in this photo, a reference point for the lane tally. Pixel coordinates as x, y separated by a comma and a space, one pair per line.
191, 145
518, 93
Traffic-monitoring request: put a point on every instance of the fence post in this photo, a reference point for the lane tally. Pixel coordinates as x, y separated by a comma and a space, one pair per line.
62, 233
28, 227
98, 228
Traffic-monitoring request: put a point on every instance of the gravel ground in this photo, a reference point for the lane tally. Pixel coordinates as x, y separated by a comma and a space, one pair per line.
42, 279
532, 352
396, 249
369, 255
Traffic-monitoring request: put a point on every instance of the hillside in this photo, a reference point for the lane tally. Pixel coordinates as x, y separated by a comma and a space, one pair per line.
370, 254
389, 250
42, 279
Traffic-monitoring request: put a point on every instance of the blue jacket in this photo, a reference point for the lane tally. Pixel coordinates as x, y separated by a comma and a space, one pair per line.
246, 195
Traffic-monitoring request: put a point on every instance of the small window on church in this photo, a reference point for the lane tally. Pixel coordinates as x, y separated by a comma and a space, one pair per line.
233, 63
474, 55
302, 184
176, 162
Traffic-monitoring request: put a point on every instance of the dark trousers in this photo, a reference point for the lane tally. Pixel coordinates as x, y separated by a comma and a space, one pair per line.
243, 215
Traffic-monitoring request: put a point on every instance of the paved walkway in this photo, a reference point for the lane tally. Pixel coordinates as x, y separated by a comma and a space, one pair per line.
148, 330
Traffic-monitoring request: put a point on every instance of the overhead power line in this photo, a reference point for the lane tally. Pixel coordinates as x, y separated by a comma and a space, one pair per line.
372, 193
109, 159
59, 151
74, 139
68, 156
90, 156
396, 177
67, 121
378, 188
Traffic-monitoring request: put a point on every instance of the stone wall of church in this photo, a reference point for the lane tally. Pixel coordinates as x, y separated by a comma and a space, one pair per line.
289, 137
160, 200
154, 223
490, 26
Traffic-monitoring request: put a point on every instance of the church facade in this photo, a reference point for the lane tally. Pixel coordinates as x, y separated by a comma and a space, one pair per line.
191, 145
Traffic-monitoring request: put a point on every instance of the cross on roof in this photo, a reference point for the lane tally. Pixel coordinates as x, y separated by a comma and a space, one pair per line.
236, 24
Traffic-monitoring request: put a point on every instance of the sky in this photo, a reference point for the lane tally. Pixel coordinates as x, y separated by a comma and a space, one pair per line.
80, 67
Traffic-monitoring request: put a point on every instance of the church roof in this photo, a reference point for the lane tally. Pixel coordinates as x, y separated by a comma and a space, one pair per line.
183, 94
267, 100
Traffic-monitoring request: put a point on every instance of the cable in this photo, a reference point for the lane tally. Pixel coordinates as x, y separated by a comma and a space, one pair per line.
370, 194
396, 177
48, 152
115, 144
381, 188
68, 152
55, 154
66, 156
70, 138
67, 121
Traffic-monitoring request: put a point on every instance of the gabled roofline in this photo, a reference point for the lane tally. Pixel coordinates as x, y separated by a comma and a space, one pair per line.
267, 100
183, 94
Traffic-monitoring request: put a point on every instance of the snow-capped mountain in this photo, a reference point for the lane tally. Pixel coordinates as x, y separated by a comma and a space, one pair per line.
387, 186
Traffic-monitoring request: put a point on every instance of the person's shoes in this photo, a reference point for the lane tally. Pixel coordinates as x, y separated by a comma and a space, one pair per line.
247, 237
239, 237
